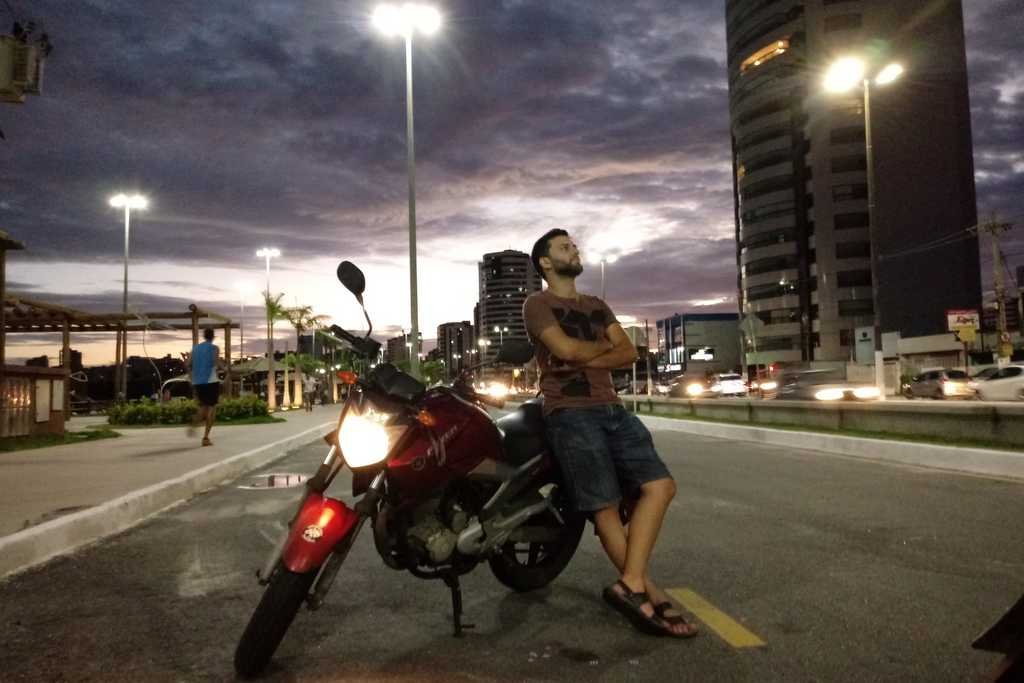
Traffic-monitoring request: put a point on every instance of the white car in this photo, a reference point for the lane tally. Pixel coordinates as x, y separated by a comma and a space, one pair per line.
1005, 385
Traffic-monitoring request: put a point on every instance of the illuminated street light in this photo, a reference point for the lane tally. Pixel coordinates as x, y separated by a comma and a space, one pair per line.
845, 74
268, 253
405, 20
603, 259
126, 202
841, 77
501, 334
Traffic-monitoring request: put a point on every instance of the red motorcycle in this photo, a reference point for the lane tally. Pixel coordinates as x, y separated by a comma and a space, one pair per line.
444, 486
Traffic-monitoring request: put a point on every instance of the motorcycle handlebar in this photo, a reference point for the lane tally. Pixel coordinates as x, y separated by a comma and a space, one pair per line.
365, 347
490, 400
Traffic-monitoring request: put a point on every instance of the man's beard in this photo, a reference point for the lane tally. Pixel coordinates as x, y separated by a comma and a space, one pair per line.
568, 269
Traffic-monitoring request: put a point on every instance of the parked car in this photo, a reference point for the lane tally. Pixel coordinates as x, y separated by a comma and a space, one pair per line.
939, 384
176, 387
1006, 384
823, 385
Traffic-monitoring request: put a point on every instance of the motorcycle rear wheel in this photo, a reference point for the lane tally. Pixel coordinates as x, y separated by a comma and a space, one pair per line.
281, 601
529, 566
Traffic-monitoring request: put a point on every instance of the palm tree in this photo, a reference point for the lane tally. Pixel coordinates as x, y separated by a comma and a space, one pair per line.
275, 311
302, 318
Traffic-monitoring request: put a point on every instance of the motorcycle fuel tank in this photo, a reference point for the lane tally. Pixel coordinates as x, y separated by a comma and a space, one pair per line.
463, 436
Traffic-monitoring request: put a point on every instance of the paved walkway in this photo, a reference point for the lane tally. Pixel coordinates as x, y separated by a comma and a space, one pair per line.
44, 484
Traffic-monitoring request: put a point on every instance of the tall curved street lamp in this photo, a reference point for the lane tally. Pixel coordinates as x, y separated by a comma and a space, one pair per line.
843, 76
603, 259
405, 20
268, 253
126, 202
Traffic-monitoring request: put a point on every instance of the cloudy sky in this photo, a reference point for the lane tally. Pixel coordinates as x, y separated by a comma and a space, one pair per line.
274, 122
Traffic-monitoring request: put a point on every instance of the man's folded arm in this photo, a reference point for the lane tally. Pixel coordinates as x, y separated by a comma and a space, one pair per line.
621, 354
572, 350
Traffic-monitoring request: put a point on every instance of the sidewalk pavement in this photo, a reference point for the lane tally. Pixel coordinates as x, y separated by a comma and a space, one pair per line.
60, 498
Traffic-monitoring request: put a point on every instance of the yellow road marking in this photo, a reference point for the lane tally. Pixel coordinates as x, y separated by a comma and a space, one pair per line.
721, 623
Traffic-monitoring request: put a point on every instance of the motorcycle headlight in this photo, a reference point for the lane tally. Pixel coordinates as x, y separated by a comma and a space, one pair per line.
363, 440
695, 389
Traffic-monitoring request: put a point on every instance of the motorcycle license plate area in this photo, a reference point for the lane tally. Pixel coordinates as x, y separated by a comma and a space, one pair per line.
319, 526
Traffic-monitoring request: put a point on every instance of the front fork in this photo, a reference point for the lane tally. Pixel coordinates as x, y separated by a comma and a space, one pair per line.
320, 535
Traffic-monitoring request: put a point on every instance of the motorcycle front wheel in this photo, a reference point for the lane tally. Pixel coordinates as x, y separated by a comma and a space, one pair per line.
281, 601
529, 566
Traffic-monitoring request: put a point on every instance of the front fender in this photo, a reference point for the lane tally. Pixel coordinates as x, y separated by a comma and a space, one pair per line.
318, 528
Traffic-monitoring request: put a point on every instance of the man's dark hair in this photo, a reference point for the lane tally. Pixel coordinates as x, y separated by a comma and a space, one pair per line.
208, 334
542, 248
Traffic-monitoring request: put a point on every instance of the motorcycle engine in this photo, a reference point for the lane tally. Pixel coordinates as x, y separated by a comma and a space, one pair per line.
431, 538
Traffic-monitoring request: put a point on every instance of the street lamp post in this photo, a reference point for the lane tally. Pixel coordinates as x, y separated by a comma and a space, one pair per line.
843, 76
405, 20
501, 334
603, 259
126, 202
268, 253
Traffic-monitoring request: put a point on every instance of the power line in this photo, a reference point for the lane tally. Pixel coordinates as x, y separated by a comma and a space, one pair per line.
946, 241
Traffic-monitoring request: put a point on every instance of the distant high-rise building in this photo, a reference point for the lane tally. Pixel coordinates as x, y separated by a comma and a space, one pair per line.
398, 348
456, 346
76, 360
800, 172
506, 279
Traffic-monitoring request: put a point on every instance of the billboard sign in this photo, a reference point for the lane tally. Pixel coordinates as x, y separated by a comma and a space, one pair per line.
958, 319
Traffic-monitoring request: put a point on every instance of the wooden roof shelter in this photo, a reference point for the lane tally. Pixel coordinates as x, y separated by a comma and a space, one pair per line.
19, 314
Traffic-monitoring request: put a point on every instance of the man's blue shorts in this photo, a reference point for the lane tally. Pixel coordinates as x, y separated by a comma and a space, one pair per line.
605, 452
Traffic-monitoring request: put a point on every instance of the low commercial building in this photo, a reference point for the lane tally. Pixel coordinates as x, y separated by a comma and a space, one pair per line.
697, 343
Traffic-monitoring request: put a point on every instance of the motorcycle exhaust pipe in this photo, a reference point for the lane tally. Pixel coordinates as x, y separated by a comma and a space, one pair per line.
476, 539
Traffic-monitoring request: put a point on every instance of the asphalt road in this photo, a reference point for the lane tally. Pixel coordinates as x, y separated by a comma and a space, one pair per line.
844, 570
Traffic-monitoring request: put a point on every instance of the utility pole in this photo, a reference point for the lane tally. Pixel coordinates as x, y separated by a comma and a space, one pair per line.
994, 228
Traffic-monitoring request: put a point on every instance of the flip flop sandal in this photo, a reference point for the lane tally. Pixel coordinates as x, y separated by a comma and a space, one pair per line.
629, 605
661, 609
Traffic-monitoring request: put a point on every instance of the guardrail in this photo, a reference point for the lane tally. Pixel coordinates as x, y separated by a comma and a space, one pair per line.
996, 424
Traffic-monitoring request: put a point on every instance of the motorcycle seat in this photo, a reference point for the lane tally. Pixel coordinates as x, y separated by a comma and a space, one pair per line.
523, 432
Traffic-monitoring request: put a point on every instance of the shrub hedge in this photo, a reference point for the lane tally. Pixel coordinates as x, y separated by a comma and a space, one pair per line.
182, 411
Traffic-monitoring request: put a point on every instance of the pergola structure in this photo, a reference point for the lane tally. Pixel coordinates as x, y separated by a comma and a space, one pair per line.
24, 315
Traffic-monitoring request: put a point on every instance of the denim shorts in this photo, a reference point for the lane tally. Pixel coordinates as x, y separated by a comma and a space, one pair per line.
605, 452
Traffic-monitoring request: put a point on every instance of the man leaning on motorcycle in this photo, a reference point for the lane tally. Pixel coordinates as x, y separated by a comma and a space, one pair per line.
606, 454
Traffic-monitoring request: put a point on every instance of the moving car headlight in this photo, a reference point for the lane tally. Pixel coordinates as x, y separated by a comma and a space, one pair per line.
497, 390
769, 386
829, 395
865, 393
950, 388
364, 440
695, 389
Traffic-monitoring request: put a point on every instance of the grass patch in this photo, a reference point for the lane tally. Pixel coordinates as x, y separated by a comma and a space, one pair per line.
882, 436
24, 443
228, 422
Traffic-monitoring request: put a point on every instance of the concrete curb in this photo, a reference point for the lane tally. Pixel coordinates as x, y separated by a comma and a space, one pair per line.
979, 461
37, 544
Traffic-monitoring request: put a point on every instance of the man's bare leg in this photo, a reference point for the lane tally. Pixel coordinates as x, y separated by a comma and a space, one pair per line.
210, 413
616, 543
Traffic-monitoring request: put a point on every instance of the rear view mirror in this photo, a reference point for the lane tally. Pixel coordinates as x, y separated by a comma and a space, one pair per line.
515, 352
353, 278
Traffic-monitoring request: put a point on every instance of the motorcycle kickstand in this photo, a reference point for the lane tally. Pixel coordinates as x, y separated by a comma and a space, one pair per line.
452, 581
